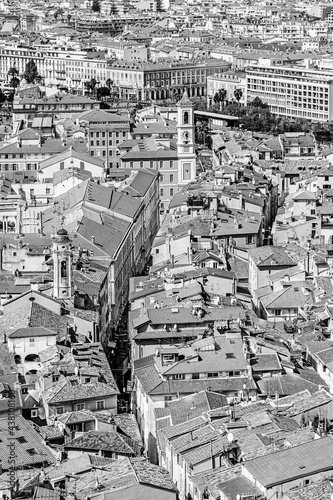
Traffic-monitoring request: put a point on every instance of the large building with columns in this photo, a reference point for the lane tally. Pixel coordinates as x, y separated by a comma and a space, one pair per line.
162, 80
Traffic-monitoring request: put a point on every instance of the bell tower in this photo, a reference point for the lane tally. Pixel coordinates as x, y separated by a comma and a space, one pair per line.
62, 265
186, 141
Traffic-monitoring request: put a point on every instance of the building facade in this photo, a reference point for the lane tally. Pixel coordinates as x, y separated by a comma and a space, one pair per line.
292, 91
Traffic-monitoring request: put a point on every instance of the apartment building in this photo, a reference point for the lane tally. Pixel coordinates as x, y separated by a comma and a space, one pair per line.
105, 131
69, 68
292, 91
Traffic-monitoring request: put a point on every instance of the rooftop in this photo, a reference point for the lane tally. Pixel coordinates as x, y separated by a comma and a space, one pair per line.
294, 463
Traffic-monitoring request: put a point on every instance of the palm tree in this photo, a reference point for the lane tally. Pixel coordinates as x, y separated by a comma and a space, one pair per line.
222, 93
238, 94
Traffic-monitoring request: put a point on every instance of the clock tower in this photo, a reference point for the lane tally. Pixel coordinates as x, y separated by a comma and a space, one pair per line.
186, 141
62, 265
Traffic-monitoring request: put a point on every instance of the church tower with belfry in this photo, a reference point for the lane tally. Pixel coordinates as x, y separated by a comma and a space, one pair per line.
186, 141
62, 265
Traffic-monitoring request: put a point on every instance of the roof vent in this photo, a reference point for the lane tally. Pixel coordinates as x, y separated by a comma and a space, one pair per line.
174, 310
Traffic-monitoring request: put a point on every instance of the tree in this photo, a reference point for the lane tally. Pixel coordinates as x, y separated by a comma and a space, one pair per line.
31, 72
109, 83
220, 97
90, 85
257, 103
238, 94
93, 84
102, 92
14, 82
13, 72
96, 7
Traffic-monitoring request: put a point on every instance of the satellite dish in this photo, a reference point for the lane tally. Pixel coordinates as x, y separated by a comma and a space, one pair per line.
230, 437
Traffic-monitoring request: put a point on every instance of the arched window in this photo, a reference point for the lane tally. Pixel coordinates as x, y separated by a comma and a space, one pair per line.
63, 268
185, 118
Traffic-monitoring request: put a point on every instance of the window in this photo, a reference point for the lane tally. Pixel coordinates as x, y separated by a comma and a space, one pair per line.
32, 451
171, 177
80, 406
55, 378
32, 341
59, 410
230, 355
63, 269
249, 239
21, 439
212, 375
179, 376
327, 178
62, 165
171, 192
195, 375
24, 390
48, 191
162, 192
171, 164
34, 413
81, 165
14, 254
187, 171
151, 164
100, 405
277, 312
141, 164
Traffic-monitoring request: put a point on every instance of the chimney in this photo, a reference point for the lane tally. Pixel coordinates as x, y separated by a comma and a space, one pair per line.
93, 240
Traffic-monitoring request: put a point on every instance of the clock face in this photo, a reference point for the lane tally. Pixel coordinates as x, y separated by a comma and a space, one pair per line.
186, 135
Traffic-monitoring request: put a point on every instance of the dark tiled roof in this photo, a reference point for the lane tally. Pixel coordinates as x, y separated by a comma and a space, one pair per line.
38, 331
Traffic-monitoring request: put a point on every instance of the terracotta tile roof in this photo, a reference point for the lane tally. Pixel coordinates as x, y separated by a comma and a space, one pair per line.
302, 402
46, 494
29, 446
151, 474
101, 440
85, 392
195, 405
271, 256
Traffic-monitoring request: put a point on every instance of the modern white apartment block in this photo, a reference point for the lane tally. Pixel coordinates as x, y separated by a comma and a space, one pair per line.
292, 91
